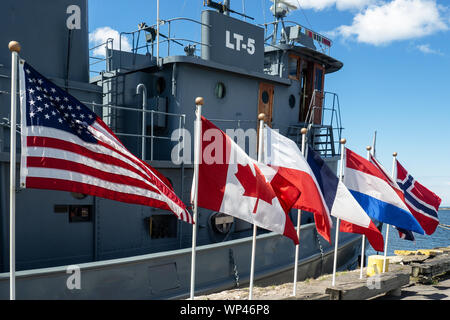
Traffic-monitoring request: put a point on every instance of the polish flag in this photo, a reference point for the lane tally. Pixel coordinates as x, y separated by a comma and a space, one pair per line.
283, 155
232, 183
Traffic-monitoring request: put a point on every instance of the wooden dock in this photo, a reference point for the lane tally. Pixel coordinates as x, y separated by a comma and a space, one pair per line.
412, 275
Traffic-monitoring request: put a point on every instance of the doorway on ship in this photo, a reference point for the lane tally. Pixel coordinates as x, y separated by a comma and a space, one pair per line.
311, 77
265, 104
306, 76
265, 101
319, 75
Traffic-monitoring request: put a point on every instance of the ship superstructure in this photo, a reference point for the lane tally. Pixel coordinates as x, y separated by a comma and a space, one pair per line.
146, 96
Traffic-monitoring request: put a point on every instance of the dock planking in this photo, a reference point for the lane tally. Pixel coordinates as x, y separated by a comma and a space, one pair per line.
367, 288
430, 269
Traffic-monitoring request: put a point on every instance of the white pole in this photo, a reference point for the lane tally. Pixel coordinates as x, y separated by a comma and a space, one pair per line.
197, 151
394, 155
14, 47
304, 131
157, 32
336, 241
144, 107
261, 117
363, 244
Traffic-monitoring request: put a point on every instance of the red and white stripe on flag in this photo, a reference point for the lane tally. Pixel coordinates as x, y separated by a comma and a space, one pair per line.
283, 155
67, 147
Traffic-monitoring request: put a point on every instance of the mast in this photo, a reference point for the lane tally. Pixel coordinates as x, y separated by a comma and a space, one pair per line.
226, 5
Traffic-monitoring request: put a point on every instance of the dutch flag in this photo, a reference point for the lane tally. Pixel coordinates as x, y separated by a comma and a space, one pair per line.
375, 193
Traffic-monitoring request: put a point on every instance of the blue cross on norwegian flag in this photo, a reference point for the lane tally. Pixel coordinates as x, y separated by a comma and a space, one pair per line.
422, 203
66, 146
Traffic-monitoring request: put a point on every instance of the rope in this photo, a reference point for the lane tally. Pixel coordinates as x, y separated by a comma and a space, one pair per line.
444, 226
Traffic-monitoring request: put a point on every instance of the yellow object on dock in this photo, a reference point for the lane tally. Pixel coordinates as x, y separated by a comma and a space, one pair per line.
427, 252
405, 252
375, 265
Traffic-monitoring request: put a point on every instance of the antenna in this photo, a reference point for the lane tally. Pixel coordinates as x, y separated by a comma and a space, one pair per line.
224, 8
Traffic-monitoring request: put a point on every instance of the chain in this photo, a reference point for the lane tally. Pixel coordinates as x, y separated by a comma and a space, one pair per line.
321, 250
235, 270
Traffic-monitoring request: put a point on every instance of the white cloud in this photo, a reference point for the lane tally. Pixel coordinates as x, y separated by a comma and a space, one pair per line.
340, 4
393, 21
100, 35
425, 48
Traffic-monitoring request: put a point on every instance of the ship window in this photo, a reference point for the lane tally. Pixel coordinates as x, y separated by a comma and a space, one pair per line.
265, 97
319, 76
79, 213
160, 85
162, 226
220, 90
293, 67
292, 101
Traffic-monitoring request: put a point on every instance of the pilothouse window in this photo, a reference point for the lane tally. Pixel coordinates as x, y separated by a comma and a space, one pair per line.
319, 76
293, 67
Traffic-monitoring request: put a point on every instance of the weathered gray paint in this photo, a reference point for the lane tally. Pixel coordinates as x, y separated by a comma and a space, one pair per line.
40, 27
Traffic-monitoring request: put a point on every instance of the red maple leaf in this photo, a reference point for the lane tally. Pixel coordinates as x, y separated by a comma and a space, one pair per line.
255, 186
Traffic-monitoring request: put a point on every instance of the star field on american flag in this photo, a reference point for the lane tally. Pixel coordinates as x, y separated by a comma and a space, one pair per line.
48, 105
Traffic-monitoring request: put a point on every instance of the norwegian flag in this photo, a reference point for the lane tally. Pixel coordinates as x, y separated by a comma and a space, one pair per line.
66, 146
422, 203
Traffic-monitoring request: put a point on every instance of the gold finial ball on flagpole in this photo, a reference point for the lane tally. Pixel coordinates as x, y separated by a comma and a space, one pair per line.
261, 116
303, 131
343, 141
395, 154
14, 46
368, 148
199, 101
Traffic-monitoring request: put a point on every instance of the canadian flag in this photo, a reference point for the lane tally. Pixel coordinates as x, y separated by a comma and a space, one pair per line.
231, 182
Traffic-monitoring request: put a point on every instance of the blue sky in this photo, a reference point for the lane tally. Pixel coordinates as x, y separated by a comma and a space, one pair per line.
396, 56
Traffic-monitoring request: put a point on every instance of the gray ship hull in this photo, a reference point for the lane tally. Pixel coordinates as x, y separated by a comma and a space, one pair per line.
166, 275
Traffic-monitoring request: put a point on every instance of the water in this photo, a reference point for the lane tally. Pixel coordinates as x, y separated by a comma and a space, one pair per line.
440, 238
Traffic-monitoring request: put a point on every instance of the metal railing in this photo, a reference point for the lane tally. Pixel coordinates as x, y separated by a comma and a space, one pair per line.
286, 23
323, 136
142, 136
95, 60
141, 45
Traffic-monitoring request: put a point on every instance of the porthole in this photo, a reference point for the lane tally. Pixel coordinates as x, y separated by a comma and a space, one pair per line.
291, 101
265, 97
220, 90
160, 85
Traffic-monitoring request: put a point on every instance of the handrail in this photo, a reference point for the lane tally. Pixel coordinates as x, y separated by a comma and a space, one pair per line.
169, 39
152, 136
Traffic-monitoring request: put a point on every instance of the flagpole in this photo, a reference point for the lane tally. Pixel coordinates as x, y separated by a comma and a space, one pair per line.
303, 131
394, 156
261, 117
14, 47
363, 244
333, 283
197, 150
157, 33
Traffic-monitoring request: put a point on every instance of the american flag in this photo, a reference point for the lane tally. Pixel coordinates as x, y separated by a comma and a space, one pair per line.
422, 203
66, 146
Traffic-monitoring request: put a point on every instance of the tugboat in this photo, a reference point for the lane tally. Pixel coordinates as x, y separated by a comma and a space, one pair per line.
125, 251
